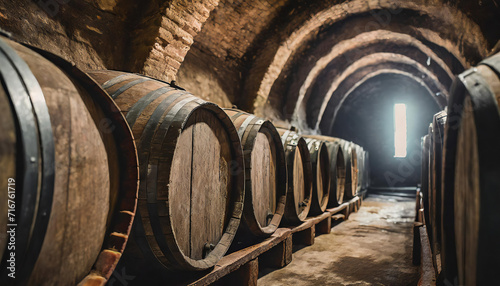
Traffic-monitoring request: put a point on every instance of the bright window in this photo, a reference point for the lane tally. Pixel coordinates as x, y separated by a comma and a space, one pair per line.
400, 130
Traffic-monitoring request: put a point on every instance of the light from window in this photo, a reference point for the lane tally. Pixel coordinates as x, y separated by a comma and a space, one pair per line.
400, 130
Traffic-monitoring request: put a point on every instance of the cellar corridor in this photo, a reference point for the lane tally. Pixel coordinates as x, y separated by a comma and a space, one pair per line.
373, 247
249, 142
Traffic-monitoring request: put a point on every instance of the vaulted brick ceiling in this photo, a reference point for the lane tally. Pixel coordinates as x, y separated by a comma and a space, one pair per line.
296, 61
293, 61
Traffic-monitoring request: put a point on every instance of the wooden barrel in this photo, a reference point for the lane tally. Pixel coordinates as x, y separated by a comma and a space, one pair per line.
435, 166
298, 161
477, 176
191, 171
351, 163
337, 168
265, 172
361, 168
448, 245
320, 161
71, 165
337, 173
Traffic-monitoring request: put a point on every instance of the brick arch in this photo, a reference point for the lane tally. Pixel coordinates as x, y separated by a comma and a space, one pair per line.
325, 126
368, 65
321, 73
466, 37
164, 35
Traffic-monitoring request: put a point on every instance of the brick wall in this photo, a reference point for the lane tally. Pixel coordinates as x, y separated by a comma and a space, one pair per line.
168, 32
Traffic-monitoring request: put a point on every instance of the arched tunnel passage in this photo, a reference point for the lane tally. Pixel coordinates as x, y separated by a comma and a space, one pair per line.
359, 70
366, 117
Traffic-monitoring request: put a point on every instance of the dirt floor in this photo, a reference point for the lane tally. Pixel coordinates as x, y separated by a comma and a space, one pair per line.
373, 247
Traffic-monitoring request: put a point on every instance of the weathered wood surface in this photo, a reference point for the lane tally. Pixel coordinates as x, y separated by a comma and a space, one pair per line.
477, 177
351, 163
320, 161
337, 174
280, 239
90, 203
280, 255
299, 194
184, 143
338, 168
245, 275
266, 175
234, 260
360, 156
274, 251
434, 188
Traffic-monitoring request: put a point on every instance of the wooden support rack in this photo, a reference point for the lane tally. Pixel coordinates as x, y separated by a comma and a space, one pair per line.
242, 267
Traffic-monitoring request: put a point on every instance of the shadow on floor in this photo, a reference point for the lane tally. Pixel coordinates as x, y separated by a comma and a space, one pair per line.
373, 247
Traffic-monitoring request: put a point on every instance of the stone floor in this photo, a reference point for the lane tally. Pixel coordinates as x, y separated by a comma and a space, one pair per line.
373, 247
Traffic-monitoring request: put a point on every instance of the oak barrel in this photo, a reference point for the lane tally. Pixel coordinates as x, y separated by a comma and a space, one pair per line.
320, 161
361, 168
72, 162
337, 173
299, 168
265, 172
191, 169
477, 176
337, 168
435, 170
351, 163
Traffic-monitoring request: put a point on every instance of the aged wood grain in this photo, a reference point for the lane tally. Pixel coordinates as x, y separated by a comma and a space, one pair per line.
262, 176
90, 187
299, 194
180, 190
265, 171
191, 167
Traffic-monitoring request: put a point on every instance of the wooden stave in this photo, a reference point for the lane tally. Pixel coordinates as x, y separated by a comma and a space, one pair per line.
248, 135
320, 161
338, 173
291, 142
168, 252
361, 168
435, 170
97, 105
480, 113
337, 168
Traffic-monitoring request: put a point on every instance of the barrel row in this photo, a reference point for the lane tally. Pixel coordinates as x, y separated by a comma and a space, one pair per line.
461, 178
101, 160
432, 150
